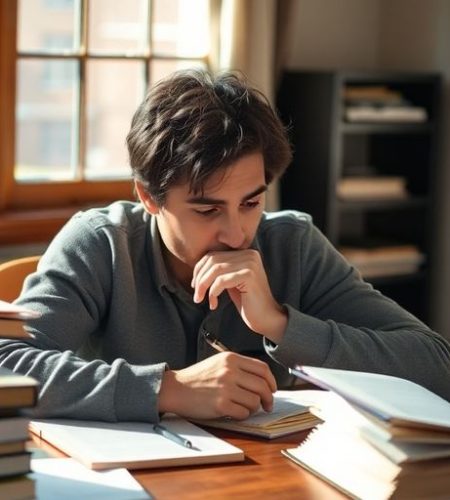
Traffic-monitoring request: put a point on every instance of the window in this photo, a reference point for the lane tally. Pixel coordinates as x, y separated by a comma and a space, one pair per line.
55, 139
72, 74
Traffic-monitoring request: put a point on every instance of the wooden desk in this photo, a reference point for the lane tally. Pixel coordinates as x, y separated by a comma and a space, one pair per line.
264, 474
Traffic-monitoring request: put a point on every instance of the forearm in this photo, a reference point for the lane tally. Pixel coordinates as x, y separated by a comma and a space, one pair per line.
94, 390
404, 348
337, 320
275, 325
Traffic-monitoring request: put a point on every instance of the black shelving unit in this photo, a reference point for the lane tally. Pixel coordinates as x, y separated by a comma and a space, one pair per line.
329, 146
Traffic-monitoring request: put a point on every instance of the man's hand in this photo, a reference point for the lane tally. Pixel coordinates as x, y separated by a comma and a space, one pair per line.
226, 384
241, 273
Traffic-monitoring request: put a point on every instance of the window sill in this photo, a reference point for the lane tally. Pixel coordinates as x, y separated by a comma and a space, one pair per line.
33, 226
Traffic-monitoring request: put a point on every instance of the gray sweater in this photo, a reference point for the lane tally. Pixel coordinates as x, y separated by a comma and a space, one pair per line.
113, 320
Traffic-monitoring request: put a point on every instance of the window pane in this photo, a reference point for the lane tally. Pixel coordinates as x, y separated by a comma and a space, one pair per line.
118, 26
180, 28
46, 119
49, 26
114, 90
159, 68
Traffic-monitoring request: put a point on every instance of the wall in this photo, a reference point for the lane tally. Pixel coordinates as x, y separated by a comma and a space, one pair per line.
415, 35
9, 252
334, 34
387, 34
441, 284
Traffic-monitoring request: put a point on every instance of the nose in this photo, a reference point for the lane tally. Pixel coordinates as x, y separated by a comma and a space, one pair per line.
231, 232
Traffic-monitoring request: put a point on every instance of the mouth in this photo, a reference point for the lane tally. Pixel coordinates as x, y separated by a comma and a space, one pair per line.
223, 248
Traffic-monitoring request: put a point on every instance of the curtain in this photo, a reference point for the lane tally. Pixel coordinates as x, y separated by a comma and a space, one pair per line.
253, 36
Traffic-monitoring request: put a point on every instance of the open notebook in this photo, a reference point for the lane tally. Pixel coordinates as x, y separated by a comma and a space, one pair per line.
290, 414
134, 445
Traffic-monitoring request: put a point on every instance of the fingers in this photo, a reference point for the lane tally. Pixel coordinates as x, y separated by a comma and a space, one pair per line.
240, 405
256, 390
241, 273
235, 279
220, 271
254, 382
206, 271
224, 384
258, 368
228, 281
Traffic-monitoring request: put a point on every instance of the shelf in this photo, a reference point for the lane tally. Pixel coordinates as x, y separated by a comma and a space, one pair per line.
385, 128
380, 205
380, 77
328, 149
398, 279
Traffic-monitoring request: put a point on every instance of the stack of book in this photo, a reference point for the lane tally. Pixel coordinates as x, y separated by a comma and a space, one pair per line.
384, 260
13, 319
380, 104
382, 437
17, 392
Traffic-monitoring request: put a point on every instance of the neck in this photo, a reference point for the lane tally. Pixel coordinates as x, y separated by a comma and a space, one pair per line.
178, 270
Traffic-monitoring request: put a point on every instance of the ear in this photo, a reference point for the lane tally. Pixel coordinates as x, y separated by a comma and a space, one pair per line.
149, 204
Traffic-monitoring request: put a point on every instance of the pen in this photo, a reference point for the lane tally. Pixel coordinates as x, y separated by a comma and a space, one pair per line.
213, 342
173, 436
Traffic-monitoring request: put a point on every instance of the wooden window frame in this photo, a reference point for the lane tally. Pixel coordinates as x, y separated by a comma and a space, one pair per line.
35, 212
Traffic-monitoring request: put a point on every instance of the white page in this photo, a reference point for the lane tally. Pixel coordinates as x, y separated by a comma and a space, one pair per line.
400, 452
101, 445
342, 416
58, 478
283, 407
385, 396
286, 403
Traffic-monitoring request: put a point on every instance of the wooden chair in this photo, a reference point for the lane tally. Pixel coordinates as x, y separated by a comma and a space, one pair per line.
13, 274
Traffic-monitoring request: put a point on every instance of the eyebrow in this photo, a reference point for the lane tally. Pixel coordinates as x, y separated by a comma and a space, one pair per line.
205, 200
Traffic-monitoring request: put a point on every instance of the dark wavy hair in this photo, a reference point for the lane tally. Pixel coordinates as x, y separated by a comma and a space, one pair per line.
192, 124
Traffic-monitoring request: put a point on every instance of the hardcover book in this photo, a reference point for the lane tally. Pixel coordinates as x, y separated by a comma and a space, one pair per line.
17, 391
13, 319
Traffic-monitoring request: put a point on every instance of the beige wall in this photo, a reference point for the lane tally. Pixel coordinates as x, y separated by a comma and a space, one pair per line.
387, 34
408, 38
334, 34
415, 35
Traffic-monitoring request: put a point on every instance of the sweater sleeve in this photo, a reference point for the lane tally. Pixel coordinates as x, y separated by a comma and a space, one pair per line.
340, 321
70, 289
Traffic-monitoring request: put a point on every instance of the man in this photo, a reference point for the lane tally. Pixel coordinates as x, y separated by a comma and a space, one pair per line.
128, 292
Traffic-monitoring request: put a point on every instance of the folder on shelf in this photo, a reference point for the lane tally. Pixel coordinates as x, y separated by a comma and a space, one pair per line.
357, 188
384, 260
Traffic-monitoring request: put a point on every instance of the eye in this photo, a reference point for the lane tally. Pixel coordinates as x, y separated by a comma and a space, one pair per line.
206, 212
251, 204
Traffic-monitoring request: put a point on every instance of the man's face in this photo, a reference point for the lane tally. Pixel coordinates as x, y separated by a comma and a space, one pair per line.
224, 217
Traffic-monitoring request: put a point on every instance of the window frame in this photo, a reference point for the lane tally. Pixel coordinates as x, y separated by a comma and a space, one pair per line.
33, 212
